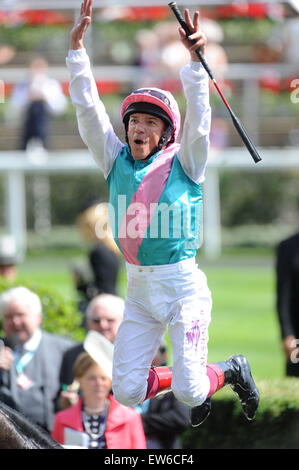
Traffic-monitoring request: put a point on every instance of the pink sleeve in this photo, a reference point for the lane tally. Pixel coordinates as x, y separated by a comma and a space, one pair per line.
138, 437
58, 430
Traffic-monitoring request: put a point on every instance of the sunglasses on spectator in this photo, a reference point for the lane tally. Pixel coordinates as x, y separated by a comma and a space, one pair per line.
98, 320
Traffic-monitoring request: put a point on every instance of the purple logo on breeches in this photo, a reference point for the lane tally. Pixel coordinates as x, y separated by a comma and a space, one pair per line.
194, 335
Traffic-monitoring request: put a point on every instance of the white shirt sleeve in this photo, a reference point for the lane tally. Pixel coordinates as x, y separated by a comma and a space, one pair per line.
55, 99
193, 153
94, 124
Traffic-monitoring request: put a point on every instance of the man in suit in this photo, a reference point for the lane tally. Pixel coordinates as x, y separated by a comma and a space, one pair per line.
287, 289
104, 315
31, 358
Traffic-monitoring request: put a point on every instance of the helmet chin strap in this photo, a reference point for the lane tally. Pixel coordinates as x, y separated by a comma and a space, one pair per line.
165, 140
167, 137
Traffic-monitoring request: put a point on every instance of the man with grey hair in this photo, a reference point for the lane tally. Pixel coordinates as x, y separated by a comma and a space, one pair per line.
30, 358
104, 315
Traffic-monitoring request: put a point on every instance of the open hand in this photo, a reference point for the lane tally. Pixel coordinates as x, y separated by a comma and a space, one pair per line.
290, 346
196, 35
78, 31
67, 399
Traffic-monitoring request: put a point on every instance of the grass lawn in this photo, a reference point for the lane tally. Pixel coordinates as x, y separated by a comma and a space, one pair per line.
51, 271
243, 318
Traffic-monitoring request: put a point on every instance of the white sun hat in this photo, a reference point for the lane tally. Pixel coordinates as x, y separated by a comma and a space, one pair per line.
100, 349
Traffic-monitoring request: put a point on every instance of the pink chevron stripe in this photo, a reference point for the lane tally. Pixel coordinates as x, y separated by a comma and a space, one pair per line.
142, 206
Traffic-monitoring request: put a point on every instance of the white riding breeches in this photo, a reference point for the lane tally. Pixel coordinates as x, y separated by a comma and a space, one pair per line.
174, 295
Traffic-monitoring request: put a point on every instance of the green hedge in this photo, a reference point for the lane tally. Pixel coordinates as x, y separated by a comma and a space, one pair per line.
60, 316
275, 426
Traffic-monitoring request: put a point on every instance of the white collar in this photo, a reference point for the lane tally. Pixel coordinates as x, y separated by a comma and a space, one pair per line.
33, 343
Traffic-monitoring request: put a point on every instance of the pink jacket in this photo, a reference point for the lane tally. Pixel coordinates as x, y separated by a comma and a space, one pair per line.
124, 428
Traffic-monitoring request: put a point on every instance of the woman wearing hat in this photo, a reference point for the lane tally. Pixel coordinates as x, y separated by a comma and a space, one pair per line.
98, 420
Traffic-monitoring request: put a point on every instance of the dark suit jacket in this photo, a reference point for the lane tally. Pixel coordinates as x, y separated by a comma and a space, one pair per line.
164, 421
68, 361
105, 265
38, 401
287, 287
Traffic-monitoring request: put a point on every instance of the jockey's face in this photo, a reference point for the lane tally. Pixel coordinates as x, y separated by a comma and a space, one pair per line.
144, 133
18, 319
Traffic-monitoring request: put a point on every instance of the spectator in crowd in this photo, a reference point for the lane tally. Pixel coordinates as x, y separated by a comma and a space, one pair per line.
147, 55
37, 98
102, 422
173, 54
164, 418
282, 44
7, 53
287, 300
104, 315
33, 102
104, 259
147, 41
8, 258
290, 35
31, 359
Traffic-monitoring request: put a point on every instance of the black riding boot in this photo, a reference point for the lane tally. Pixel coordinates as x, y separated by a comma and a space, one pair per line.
198, 414
237, 374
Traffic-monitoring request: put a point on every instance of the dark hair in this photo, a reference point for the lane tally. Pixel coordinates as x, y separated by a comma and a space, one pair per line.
83, 362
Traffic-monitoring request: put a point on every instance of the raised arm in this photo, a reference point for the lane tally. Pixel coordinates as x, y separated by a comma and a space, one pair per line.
198, 36
93, 122
193, 153
80, 27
